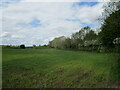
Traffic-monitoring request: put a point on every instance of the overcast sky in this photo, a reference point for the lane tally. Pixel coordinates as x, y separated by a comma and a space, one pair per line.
27, 22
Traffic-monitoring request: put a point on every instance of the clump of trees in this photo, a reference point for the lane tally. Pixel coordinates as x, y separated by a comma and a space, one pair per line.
11, 46
110, 28
22, 46
87, 39
84, 39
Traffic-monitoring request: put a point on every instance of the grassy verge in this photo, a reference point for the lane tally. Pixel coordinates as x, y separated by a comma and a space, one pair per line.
56, 68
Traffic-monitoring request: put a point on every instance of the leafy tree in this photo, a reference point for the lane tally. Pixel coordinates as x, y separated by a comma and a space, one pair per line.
76, 39
87, 29
109, 8
91, 35
67, 43
110, 28
34, 46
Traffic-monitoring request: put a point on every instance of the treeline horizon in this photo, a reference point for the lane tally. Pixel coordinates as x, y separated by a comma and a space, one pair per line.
107, 38
23, 45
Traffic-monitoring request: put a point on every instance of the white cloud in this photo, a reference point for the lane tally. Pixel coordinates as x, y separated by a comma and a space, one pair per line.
5, 34
88, 14
51, 15
66, 0
50, 0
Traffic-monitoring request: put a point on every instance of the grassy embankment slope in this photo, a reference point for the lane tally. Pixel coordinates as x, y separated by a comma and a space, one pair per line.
56, 68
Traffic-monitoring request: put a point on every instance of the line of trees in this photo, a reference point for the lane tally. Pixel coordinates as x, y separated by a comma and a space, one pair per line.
86, 37
22, 46
107, 39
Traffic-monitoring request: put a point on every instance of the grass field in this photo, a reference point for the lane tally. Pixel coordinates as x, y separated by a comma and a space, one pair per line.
56, 68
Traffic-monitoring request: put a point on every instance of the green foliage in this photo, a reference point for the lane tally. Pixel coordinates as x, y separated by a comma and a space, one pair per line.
84, 38
22, 46
91, 35
34, 46
111, 28
67, 43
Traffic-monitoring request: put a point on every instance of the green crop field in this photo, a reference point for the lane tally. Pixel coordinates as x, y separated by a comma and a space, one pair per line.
37, 68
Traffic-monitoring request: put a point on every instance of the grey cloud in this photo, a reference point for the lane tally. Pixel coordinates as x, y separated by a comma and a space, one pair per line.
51, 15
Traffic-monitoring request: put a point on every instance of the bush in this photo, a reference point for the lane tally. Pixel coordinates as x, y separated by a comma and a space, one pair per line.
22, 46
